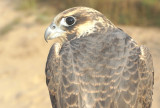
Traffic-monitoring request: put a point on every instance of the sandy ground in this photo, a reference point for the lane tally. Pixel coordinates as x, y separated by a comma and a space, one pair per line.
23, 54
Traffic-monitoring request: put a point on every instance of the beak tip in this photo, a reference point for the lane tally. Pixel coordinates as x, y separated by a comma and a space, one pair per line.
46, 35
46, 41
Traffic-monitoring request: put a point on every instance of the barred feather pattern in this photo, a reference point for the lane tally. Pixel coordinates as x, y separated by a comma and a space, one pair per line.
101, 70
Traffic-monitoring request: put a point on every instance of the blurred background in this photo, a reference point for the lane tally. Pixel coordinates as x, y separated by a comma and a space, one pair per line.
23, 51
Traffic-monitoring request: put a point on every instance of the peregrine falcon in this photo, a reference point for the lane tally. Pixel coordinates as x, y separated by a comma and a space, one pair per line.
94, 64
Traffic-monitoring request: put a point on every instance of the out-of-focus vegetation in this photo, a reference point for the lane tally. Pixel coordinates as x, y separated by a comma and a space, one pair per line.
127, 12
9, 26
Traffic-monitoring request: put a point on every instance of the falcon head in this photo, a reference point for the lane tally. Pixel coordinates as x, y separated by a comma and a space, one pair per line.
75, 23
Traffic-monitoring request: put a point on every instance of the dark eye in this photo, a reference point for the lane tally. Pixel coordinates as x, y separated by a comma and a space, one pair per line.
70, 20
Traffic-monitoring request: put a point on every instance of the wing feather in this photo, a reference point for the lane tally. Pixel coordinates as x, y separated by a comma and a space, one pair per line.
146, 78
51, 71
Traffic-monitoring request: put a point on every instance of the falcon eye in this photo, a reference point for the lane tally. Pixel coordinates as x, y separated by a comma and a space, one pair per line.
70, 20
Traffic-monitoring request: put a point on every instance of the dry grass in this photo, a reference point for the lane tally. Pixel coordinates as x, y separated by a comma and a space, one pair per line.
9, 26
128, 12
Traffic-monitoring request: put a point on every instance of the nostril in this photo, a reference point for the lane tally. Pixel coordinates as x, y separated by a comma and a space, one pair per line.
53, 27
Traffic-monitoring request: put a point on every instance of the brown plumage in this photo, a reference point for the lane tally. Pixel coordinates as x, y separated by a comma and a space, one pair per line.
93, 64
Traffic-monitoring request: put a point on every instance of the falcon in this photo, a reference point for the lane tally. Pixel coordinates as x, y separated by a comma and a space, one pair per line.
94, 64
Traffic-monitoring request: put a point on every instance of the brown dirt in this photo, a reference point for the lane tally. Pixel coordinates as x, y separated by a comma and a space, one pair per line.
23, 54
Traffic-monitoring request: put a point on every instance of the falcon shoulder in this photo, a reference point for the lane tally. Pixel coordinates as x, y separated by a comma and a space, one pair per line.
146, 78
136, 79
51, 71
126, 74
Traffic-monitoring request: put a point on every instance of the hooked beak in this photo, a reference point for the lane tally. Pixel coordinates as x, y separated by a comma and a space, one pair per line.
47, 34
52, 32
